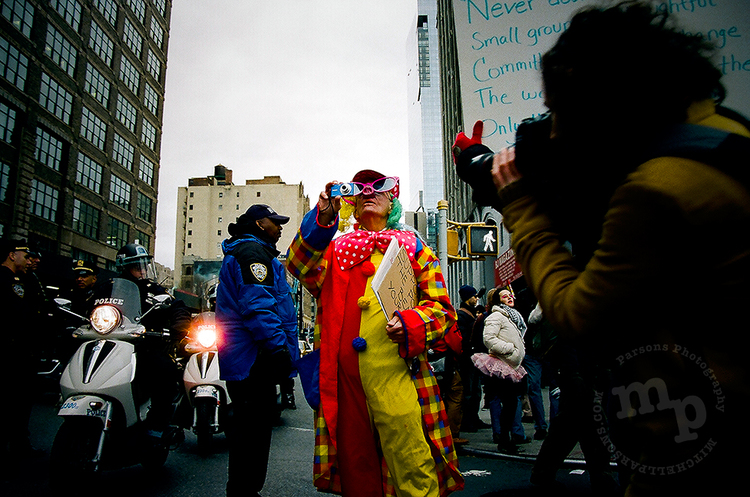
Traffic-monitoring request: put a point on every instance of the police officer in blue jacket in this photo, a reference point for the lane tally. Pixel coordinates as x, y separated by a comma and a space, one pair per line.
258, 329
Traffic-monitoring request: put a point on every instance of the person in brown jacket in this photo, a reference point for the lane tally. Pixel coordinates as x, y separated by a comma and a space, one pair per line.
657, 173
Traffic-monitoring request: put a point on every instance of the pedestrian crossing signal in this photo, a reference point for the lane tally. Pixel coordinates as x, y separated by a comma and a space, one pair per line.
483, 240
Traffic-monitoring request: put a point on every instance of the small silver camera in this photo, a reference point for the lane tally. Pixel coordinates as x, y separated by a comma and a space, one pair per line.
342, 189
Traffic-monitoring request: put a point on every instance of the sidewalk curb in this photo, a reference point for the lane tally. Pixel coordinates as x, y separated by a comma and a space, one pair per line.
530, 458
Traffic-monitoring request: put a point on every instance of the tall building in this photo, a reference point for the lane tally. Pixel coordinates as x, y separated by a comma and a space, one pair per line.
461, 208
207, 206
81, 100
425, 136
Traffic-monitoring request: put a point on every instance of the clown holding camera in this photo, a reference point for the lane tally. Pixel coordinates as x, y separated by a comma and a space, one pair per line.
381, 427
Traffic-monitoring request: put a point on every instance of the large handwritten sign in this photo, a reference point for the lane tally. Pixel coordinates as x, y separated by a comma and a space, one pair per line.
394, 283
500, 44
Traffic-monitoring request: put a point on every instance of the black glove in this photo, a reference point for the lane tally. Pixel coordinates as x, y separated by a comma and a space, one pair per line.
279, 364
474, 165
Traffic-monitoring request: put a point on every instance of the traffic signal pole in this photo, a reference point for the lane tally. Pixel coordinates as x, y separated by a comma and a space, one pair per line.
443, 232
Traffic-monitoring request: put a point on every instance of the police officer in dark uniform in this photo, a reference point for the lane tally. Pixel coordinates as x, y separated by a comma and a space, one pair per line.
258, 324
82, 293
81, 297
15, 310
157, 372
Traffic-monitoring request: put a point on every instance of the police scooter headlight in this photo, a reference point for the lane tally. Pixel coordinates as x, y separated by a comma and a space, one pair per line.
105, 318
207, 336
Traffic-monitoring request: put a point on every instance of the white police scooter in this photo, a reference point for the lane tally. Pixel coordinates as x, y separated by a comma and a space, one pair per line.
103, 411
206, 393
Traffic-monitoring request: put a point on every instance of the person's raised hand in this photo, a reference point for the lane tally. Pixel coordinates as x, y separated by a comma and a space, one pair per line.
328, 206
504, 171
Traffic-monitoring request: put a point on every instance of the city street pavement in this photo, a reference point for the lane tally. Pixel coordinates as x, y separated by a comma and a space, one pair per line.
186, 474
481, 444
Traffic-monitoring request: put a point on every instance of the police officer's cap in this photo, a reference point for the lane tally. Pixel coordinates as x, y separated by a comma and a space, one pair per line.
13, 245
84, 268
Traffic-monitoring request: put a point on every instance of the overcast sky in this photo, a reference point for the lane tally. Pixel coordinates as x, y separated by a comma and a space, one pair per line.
311, 91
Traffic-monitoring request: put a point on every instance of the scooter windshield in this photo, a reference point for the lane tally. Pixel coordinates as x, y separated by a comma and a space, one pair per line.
123, 294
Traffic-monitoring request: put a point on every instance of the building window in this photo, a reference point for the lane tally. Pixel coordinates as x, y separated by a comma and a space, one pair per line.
153, 64
20, 13
119, 192
257, 194
123, 152
237, 207
191, 194
4, 180
139, 9
13, 64
218, 232
161, 6
117, 233
49, 150
132, 38
220, 220
190, 245
126, 113
190, 232
93, 128
129, 74
145, 207
142, 238
151, 100
43, 200
60, 50
55, 98
102, 44
157, 33
70, 10
221, 207
108, 8
97, 85
148, 134
424, 52
89, 173
7, 123
146, 171
190, 207
190, 220
86, 219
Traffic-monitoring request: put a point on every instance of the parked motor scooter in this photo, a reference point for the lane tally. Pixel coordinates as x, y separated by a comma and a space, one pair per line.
102, 409
206, 393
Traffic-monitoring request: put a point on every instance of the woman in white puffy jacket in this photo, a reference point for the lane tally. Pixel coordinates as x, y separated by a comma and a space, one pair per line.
503, 334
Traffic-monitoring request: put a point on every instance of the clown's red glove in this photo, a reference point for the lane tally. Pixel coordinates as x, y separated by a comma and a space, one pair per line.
474, 164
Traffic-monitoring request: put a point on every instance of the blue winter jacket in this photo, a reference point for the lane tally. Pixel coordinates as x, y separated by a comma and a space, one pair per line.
254, 307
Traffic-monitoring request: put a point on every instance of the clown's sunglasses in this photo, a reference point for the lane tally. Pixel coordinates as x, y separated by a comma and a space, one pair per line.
381, 185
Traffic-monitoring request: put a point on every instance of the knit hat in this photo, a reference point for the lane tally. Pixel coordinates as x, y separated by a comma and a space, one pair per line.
466, 292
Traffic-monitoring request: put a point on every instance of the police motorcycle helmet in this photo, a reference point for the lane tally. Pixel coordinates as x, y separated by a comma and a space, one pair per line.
134, 259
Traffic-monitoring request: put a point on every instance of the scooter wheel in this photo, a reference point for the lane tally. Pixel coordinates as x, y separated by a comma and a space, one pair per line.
73, 451
204, 418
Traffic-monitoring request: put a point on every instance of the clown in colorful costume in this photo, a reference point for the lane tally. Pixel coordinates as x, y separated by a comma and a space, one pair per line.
381, 428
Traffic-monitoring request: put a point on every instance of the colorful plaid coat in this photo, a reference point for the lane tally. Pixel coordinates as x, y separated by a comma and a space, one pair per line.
316, 262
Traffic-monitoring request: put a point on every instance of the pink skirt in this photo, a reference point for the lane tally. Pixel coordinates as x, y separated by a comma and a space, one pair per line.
492, 366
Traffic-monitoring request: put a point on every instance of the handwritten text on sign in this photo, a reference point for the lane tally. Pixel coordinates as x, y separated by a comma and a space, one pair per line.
500, 46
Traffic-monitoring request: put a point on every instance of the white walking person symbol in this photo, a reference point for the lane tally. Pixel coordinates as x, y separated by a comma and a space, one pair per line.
488, 241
